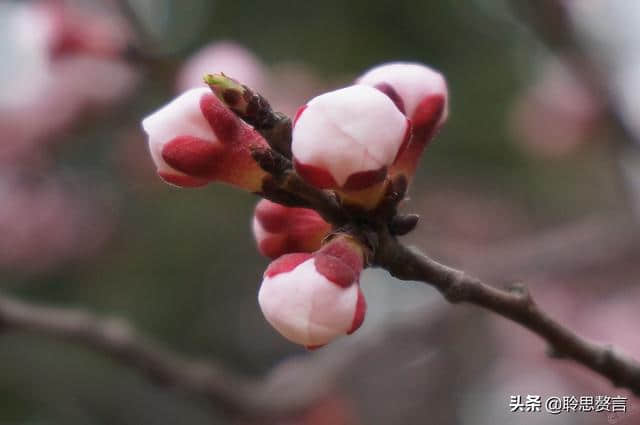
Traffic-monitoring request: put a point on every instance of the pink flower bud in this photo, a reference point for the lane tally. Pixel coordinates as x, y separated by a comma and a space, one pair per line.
312, 299
421, 94
280, 230
346, 139
195, 140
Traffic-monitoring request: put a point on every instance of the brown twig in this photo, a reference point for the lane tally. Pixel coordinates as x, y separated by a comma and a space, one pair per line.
515, 304
269, 398
275, 397
236, 395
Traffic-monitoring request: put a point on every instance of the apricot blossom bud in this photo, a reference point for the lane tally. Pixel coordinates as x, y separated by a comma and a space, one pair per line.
280, 230
311, 299
346, 139
420, 93
195, 140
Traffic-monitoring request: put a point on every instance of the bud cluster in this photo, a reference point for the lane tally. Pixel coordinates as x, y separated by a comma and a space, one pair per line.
359, 145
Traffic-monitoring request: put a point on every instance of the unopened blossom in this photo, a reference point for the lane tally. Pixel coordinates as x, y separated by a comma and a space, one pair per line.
348, 138
311, 299
195, 140
280, 230
420, 93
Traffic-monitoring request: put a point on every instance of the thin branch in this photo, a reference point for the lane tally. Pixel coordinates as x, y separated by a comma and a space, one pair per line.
297, 385
272, 397
235, 395
515, 304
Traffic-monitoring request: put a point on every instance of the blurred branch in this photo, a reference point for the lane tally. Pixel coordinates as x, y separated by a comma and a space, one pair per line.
298, 383
275, 397
515, 304
568, 249
374, 229
288, 389
234, 394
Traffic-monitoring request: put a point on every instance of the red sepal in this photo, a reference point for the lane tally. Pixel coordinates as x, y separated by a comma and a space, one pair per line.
191, 155
358, 316
286, 263
316, 176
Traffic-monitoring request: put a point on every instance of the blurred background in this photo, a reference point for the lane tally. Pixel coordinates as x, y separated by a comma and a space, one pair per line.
535, 178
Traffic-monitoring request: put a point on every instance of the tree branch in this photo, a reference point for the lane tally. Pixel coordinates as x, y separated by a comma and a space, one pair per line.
271, 397
235, 395
277, 396
515, 304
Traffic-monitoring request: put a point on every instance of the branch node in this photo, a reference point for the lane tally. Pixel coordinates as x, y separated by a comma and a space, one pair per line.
555, 353
402, 224
118, 331
606, 356
271, 161
455, 291
521, 291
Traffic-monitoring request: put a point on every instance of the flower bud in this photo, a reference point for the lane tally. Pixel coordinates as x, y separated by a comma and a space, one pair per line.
195, 139
421, 94
312, 299
346, 139
280, 230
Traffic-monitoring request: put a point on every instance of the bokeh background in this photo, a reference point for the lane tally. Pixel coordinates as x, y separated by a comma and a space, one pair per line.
533, 179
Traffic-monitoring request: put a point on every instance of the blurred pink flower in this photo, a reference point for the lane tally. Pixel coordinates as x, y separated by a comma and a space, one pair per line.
58, 63
301, 85
228, 57
44, 225
556, 114
240, 63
